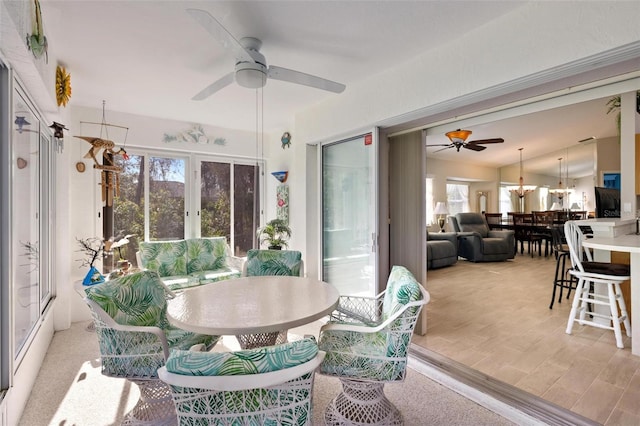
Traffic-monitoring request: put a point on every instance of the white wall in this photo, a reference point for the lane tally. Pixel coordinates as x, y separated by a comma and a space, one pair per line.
533, 38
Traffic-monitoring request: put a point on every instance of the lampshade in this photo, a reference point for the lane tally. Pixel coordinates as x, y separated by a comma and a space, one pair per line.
556, 206
441, 208
575, 206
458, 135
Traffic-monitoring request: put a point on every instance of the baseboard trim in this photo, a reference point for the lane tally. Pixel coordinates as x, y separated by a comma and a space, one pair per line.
502, 398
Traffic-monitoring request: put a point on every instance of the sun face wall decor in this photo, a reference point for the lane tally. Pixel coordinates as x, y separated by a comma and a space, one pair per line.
63, 86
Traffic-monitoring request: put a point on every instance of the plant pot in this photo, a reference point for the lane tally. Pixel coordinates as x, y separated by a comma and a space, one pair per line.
275, 247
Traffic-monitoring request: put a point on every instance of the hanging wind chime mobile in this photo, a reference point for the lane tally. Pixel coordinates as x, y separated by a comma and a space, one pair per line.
109, 170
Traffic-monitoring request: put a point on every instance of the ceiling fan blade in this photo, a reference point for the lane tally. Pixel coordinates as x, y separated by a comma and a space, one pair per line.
474, 147
483, 141
214, 87
284, 74
221, 34
440, 144
442, 149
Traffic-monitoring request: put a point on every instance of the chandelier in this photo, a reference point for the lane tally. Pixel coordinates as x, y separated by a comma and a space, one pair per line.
561, 191
521, 189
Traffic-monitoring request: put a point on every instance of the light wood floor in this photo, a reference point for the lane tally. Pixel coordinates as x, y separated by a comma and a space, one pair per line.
495, 318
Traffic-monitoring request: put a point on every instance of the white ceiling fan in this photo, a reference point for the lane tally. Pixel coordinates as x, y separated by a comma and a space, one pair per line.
251, 66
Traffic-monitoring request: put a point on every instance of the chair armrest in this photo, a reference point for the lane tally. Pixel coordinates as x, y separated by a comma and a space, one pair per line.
374, 328
358, 309
501, 233
469, 234
236, 262
109, 322
444, 236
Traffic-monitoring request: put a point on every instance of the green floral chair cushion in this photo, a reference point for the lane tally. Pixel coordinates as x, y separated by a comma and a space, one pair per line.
252, 361
206, 277
168, 258
137, 300
273, 262
402, 288
206, 254
379, 355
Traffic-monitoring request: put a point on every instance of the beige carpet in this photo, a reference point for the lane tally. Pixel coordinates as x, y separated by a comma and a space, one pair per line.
70, 391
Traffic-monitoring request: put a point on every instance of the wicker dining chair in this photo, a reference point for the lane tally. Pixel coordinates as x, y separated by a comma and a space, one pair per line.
135, 339
261, 386
366, 341
266, 263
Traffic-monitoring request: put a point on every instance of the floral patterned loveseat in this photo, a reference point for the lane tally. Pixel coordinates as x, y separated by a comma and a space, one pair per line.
192, 262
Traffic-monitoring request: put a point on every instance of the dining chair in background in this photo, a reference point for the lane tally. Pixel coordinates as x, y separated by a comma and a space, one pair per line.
562, 279
135, 337
267, 263
262, 386
366, 343
494, 220
543, 221
598, 286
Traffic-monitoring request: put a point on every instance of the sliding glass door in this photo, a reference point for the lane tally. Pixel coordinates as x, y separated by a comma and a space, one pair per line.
349, 215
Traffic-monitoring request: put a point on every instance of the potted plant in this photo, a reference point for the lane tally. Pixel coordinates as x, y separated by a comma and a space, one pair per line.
275, 233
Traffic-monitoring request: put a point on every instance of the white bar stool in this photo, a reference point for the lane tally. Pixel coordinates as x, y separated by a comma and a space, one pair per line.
598, 285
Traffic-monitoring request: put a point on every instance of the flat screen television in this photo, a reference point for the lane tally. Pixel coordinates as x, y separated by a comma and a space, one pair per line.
607, 202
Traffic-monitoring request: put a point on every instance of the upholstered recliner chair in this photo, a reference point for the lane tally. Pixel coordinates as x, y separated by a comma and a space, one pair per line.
442, 249
479, 244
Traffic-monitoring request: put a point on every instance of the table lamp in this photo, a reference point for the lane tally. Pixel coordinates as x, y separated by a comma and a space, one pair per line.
575, 206
555, 206
441, 213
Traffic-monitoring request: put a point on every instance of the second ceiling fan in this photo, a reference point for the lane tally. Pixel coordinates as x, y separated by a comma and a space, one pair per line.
458, 140
251, 68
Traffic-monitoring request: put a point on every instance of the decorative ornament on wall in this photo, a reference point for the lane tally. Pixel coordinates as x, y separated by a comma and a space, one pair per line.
282, 200
106, 149
281, 175
286, 140
58, 135
36, 41
63, 86
194, 135
282, 195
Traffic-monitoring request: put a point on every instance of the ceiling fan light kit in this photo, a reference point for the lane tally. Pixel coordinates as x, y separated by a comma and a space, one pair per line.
458, 140
250, 76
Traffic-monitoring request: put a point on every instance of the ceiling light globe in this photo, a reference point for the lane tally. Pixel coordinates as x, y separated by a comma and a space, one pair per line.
250, 76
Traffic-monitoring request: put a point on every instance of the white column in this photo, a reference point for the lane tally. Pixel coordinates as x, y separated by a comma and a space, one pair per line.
628, 155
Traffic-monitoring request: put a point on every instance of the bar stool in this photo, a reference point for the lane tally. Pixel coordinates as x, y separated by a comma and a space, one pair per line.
562, 278
592, 277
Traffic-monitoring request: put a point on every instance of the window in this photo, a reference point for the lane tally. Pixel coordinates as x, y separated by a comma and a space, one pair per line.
505, 201
457, 198
31, 213
225, 197
430, 203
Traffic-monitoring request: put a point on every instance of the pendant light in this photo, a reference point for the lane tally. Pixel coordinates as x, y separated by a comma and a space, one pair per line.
521, 189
